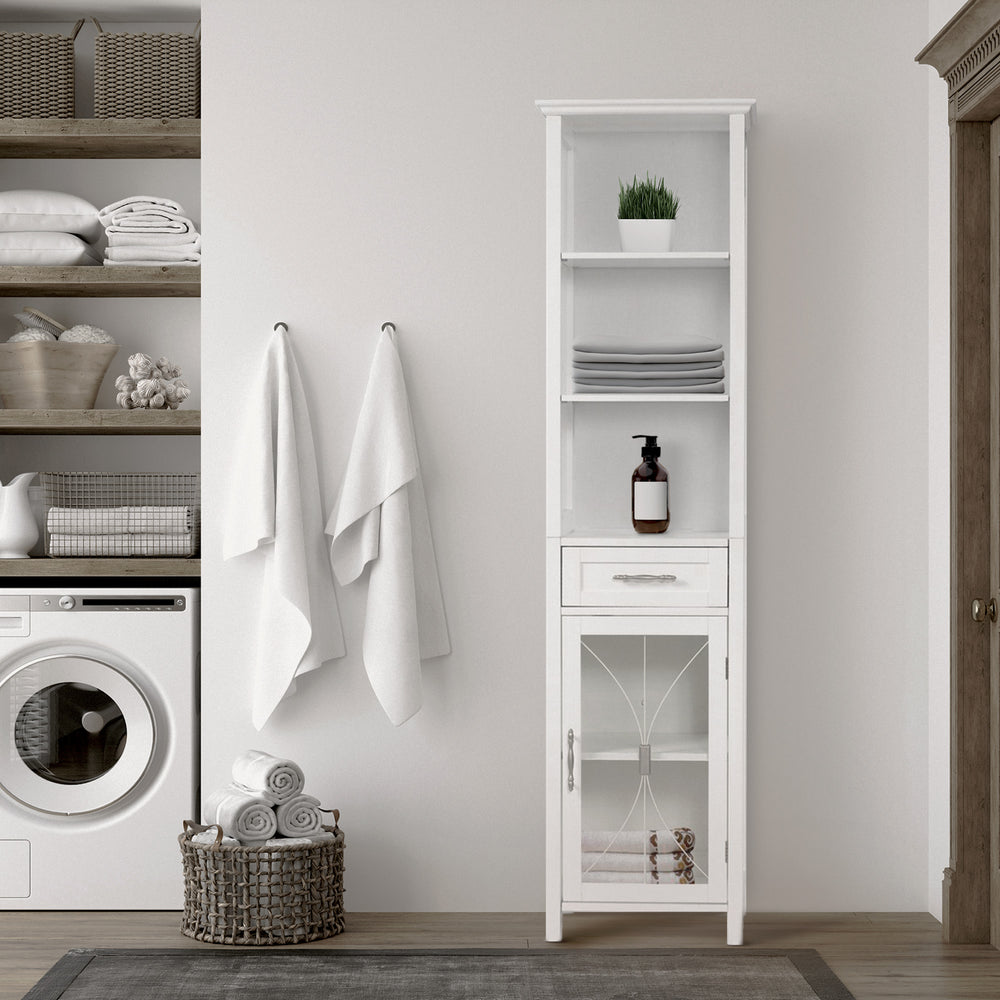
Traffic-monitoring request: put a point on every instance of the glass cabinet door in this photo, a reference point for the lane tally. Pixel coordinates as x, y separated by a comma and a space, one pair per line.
644, 759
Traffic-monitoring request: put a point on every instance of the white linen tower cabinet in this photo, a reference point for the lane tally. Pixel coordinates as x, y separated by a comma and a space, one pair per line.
645, 634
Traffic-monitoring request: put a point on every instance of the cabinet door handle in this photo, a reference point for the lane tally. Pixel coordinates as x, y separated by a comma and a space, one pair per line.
570, 760
645, 577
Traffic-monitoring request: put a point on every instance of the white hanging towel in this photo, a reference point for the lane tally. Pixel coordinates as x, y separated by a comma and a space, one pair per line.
381, 519
275, 513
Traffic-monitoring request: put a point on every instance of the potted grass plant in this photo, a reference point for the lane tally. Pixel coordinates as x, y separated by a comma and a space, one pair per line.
646, 213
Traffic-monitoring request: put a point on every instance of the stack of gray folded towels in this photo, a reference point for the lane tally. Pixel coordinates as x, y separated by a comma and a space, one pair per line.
120, 531
149, 230
673, 364
264, 805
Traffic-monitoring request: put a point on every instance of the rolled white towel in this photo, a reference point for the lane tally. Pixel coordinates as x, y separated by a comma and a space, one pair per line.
209, 837
299, 817
244, 814
279, 777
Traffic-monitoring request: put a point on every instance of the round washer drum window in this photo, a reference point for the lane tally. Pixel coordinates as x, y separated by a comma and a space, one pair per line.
82, 738
70, 733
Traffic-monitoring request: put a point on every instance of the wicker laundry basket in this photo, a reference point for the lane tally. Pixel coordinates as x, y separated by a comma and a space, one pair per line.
147, 75
262, 895
38, 78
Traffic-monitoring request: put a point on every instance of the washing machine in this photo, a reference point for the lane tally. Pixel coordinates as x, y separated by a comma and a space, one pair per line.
99, 716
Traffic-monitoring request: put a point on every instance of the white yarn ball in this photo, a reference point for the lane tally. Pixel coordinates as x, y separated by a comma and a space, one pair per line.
83, 334
33, 334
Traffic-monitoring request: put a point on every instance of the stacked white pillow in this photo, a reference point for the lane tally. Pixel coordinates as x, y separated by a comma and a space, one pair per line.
49, 228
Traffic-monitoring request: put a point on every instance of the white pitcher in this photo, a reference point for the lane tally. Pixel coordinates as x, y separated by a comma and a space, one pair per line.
18, 528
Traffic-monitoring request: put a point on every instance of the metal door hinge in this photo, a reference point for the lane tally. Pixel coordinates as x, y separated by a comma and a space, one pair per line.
727, 668
727, 851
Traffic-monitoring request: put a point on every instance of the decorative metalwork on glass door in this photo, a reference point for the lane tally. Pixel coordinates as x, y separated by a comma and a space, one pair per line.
644, 701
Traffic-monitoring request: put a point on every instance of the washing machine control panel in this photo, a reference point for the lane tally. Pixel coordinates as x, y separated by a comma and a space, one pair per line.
108, 602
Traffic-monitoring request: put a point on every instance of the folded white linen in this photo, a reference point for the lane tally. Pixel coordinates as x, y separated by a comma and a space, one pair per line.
151, 224
608, 380
718, 385
275, 513
620, 357
685, 877
381, 521
279, 777
149, 262
622, 861
210, 836
139, 203
299, 817
668, 344
165, 255
645, 366
643, 374
87, 520
680, 838
167, 520
154, 239
248, 816
142, 544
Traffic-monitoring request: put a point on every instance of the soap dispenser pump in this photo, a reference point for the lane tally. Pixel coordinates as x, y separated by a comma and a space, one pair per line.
650, 506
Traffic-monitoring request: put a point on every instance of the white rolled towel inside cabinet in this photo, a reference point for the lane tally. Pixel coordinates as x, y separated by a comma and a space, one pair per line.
278, 777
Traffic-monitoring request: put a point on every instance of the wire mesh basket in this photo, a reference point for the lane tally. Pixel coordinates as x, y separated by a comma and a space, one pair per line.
39, 78
262, 895
117, 515
140, 75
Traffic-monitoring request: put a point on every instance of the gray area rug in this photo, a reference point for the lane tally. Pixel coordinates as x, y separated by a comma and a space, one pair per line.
341, 974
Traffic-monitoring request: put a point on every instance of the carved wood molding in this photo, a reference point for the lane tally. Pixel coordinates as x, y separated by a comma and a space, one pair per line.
966, 53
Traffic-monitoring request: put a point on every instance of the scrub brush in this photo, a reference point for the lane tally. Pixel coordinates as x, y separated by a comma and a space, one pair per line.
32, 319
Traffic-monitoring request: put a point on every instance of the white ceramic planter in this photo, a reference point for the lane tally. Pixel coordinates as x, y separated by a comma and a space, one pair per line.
646, 235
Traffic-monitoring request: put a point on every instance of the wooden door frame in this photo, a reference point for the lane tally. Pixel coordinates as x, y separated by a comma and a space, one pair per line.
966, 52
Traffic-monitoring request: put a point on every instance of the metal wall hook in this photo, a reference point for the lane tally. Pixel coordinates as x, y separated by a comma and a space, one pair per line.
284, 326
389, 325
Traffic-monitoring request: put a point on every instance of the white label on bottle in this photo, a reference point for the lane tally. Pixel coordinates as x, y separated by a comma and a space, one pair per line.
650, 501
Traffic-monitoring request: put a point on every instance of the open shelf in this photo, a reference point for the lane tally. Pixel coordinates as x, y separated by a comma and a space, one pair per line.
672, 259
100, 138
125, 568
100, 421
166, 281
625, 746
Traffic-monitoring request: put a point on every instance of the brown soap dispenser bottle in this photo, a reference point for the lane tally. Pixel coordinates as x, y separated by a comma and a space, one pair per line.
650, 501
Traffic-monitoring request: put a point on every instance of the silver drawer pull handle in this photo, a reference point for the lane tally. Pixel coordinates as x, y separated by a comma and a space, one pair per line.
569, 760
645, 577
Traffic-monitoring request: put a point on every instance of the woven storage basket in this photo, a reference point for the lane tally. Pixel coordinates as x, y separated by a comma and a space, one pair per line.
262, 895
37, 78
146, 76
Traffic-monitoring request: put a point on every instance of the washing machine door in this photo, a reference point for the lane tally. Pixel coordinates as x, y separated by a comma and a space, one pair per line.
80, 734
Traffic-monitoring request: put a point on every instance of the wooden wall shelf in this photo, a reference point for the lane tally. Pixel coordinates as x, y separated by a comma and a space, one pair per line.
100, 421
100, 138
123, 568
168, 281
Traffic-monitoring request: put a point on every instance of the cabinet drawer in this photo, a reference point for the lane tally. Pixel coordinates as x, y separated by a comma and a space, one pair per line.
644, 578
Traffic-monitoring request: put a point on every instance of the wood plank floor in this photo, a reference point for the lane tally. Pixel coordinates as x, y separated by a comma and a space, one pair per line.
877, 955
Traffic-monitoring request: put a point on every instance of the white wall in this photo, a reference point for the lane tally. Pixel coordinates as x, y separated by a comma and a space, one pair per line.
938, 479
366, 161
